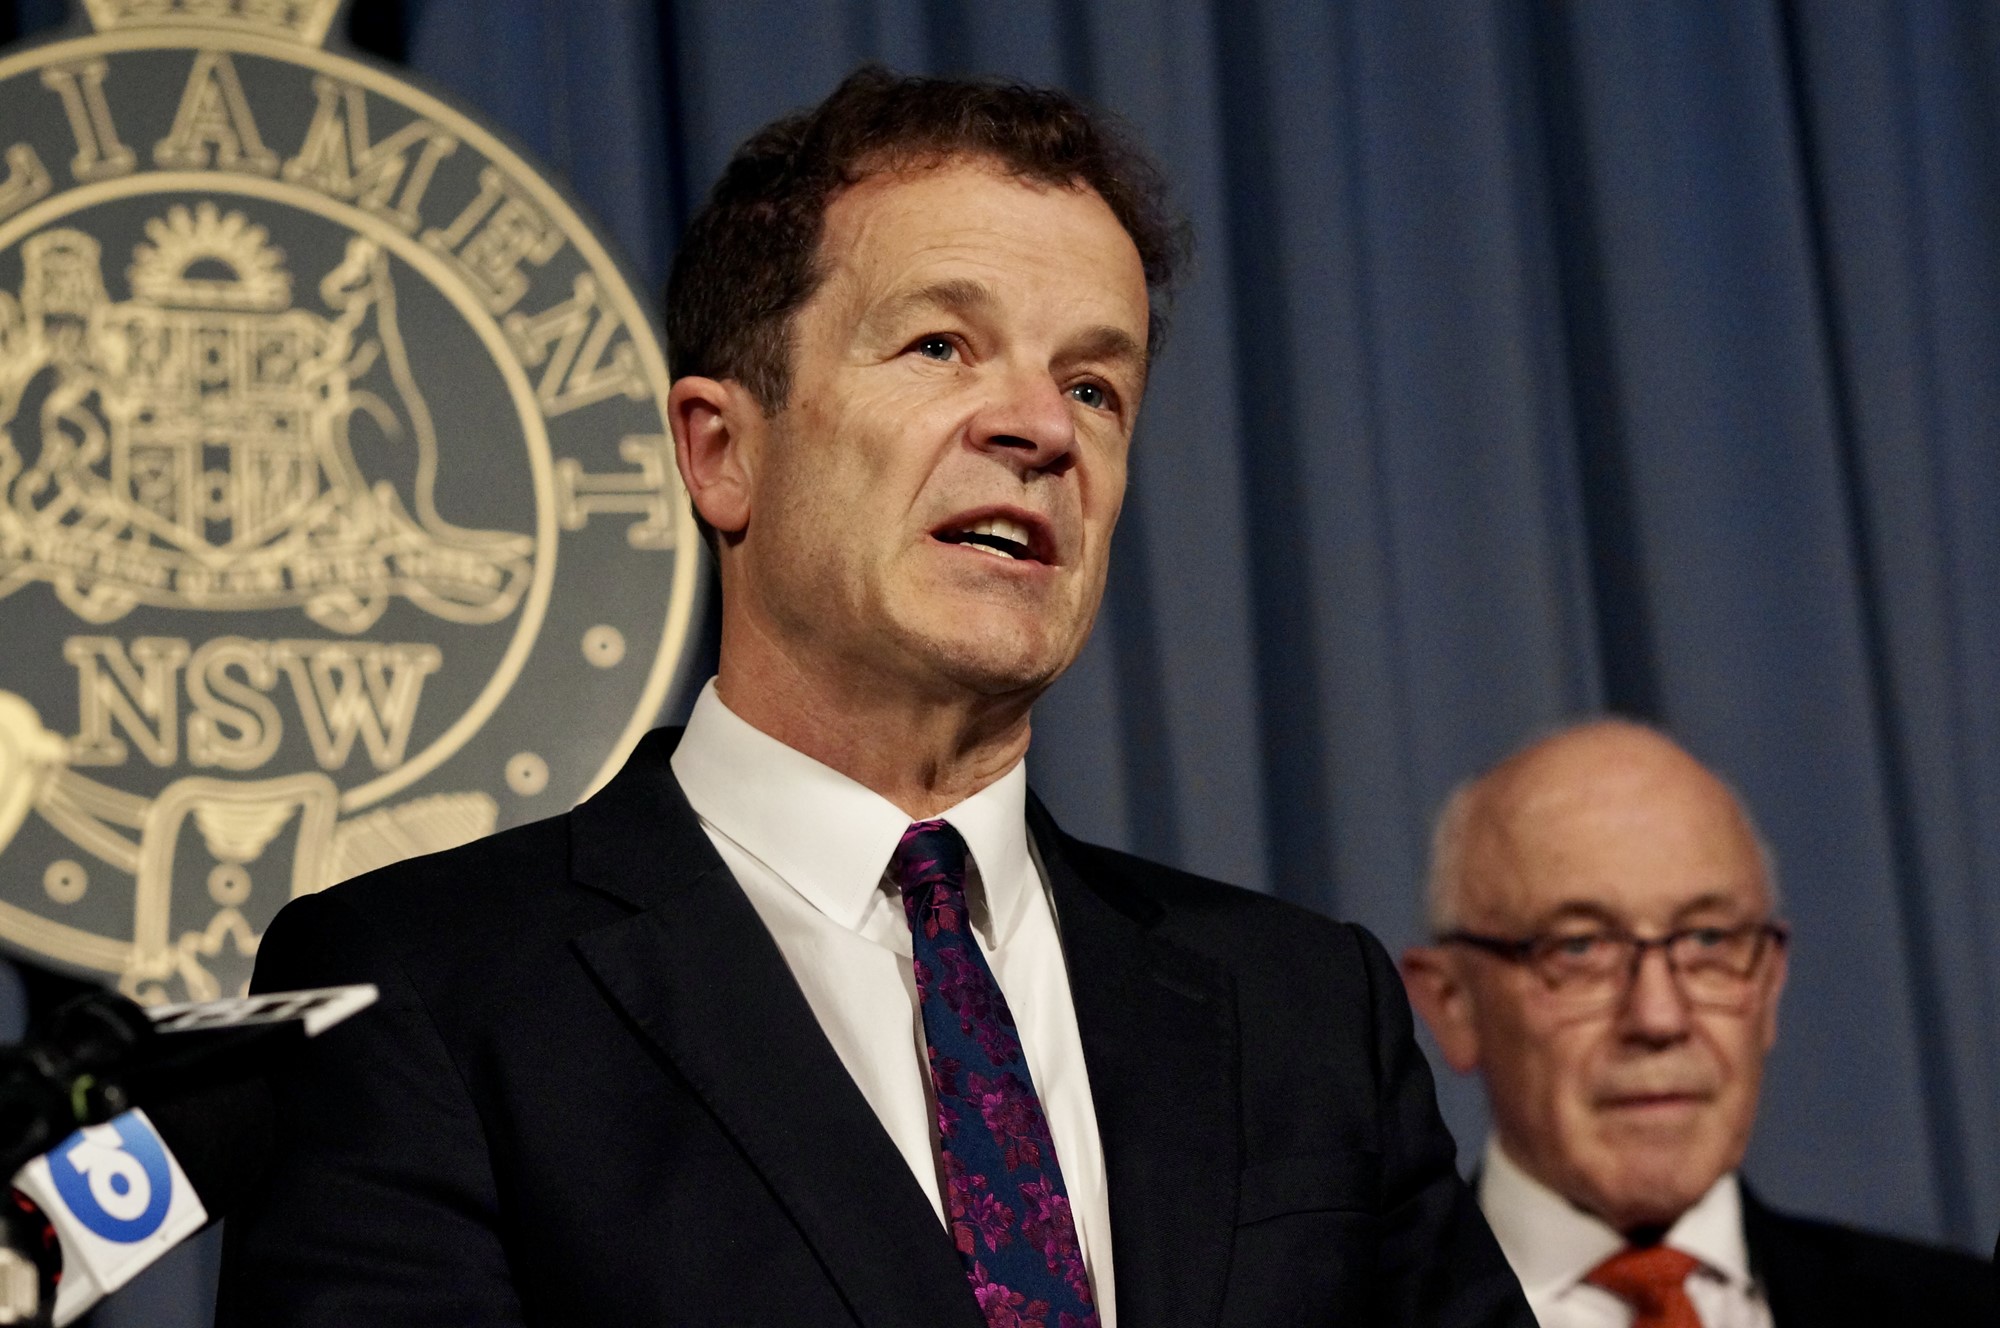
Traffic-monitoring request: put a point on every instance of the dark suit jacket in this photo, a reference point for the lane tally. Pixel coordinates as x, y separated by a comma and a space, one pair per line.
1819, 1275
593, 1094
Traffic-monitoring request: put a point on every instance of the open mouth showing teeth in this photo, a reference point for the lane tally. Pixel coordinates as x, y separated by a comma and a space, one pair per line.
995, 535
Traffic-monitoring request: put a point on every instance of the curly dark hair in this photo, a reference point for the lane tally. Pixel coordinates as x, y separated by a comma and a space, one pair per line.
750, 258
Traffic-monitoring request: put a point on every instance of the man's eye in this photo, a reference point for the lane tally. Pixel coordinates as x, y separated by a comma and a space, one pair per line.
1092, 395
934, 348
1577, 947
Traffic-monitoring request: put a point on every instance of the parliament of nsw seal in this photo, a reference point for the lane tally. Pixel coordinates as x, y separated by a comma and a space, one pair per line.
338, 513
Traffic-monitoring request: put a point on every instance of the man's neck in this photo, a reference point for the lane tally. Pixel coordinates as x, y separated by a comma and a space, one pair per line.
925, 755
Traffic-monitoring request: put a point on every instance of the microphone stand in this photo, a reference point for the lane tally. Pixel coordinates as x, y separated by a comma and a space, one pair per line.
68, 1078
28, 1267
102, 1055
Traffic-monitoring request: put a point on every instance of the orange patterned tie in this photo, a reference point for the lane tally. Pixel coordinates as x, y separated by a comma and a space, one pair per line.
1652, 1280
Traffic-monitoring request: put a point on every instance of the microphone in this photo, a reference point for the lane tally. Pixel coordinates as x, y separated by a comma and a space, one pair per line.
115, 1199
102, 1054
177, 1129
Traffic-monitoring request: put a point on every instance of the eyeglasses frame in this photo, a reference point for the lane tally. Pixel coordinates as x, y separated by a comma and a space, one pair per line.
1769, 932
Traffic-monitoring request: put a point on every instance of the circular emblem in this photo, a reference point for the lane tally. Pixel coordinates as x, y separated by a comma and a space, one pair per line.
338, 514
114, 1178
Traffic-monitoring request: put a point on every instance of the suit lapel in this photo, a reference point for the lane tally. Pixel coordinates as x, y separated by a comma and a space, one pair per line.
699, 978
1798, 1285
1159, 1038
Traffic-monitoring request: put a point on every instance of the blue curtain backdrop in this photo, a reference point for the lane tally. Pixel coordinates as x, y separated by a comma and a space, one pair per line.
1541, 359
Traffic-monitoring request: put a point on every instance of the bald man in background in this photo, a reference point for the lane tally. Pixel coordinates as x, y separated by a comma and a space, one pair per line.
1606, 955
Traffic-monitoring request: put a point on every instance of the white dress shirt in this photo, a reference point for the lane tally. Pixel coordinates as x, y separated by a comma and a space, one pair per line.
810, 847
1553, 1245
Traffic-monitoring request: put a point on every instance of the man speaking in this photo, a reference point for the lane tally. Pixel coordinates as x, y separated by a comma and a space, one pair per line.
813, 1016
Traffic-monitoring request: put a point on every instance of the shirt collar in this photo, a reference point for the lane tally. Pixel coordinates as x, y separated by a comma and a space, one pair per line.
1552, 1244
830, 838
1712, 1231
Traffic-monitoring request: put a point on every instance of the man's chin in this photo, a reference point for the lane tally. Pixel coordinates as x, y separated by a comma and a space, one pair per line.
994, 654
999, 675
1650, 1191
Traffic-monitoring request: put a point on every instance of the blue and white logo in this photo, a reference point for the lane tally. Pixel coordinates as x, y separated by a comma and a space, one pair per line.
114, 1178
118, 1201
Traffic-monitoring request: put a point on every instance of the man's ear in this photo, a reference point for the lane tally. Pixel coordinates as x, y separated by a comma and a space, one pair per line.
1776, 978
718, 427
1440, 996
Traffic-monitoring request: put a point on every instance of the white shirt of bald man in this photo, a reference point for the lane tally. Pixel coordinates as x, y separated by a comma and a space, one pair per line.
1552, 1245
811, 849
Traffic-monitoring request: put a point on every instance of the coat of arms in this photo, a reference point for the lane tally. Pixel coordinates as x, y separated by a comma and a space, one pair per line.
195, 440
337, 513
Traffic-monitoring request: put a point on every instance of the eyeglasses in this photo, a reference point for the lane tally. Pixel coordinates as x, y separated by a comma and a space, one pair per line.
1586, 968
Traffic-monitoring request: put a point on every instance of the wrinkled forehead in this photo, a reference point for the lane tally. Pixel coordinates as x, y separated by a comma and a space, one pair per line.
959, 203
968, 238
1639, 848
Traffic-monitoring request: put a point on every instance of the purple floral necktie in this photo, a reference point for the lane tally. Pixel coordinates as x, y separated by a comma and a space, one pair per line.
1004, 1193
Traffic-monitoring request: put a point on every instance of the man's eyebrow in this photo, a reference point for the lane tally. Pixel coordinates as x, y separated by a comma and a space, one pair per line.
1108, 343
1583, 910
965, 297
959, 295
1714, 900
1577, 910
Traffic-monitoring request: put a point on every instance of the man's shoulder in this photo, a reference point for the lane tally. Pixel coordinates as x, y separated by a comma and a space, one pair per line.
492, 896
1246, 932
524, 878
1183, 899
1849, 1274
490, 874
1775, 1232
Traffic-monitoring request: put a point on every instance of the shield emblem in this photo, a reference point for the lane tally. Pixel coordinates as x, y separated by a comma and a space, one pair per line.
216, 392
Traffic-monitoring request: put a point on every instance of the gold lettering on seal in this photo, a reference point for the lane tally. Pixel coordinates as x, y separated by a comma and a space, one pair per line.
338, 159
214, 115
99, 154
345, 690
581, 495
135, 692
348, 689
488, 241
234, 724
27, 180
579, 372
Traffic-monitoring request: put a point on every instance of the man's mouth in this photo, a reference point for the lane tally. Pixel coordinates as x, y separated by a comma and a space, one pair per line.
999, 536
1663, 1100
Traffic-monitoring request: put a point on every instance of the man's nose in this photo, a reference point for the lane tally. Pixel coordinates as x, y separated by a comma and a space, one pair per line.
1029, 421
1655, 1008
